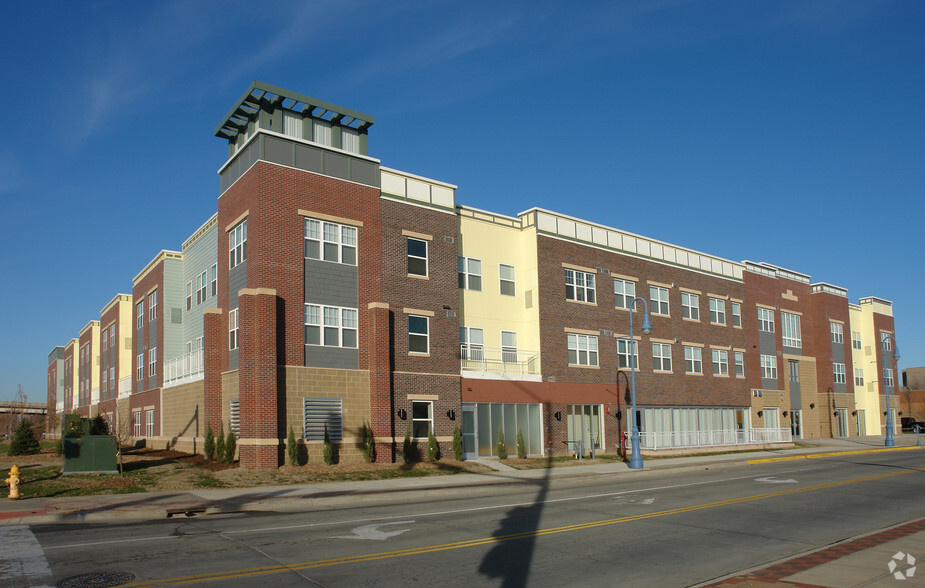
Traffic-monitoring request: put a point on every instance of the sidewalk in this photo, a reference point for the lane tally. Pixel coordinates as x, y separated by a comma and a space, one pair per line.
861, 561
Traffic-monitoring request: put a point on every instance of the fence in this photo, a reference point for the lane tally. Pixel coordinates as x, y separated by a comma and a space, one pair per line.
675, 439
503, 360
186, 368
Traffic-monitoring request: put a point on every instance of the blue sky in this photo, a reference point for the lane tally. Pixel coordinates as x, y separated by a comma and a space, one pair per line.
786, 132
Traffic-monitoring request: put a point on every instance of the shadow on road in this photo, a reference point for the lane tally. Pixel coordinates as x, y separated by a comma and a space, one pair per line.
515, 540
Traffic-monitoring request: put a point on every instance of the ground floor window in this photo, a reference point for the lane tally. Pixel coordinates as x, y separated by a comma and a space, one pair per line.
585, 424
422, 418
692, 426
149, 423
136, 423
483, 420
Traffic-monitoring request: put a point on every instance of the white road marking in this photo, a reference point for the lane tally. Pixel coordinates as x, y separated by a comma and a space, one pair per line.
22, 561
773, 480
372, 532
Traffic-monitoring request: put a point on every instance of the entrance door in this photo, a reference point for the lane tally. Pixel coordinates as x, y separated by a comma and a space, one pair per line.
469, 430
796, 424
841, 421
862, 423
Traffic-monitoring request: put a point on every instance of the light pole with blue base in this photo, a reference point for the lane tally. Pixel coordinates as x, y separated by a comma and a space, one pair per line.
636, 458
889, 442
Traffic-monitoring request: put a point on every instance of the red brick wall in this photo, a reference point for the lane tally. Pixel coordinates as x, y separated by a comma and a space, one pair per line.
674, 389
140, 338
140, 401
258, 386
825, 308
884, 323
215, 343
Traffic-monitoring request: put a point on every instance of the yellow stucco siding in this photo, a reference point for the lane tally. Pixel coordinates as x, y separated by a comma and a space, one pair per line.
497, 241
867, 396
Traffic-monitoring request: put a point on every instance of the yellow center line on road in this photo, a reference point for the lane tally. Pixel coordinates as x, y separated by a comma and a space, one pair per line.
276, 569
830, 454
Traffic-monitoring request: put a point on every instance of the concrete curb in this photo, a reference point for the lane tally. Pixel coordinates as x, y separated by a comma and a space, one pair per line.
829, 454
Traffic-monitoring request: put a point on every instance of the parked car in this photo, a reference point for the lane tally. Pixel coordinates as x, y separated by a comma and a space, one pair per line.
909, 423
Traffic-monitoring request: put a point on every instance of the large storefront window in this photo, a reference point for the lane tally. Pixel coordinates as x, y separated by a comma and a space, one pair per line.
693, 427
585, 425
481, 422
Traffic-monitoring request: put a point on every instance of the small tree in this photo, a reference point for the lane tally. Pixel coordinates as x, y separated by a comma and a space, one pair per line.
220, 443
24, 441
369, 443
292, 450
406, 451
208, 446
457, 443
328, 447
123, 434
433, 448
521, 446
98, 425
500, 447
230, 442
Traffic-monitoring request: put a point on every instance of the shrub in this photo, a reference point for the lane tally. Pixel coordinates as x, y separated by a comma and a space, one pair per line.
98, 425
407, 454
292, 450
328, 447
24, 441
369, 443
521, 446
457, 443
433, 448
230, 442
208, 446
500, 447
220, 443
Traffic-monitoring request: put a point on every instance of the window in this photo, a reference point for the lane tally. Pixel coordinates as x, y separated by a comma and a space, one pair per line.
790, 329
136, 423
112, 337
739, 358
105, 340
292, 124
661, 357
765, 320
736, 314
140, 313
140, 367
659, 299
152, 362
350, 140
693, 360
418, 334
886, 342
189, 295
322, 132
624, 348
793, 368
838, 370
149, 423
888, 377
690, 306
508, 347
582, 349
717, 311
112, 378
623, 292
105, 380
422, 418
330, 242
330, 326
506, 275
152, 306
720, 362
858, 377
417, 257
855, 339
237, 245
470, 273
768, 367
213, 275
472, 341
202, 290
579, 286
838, 335
233, 329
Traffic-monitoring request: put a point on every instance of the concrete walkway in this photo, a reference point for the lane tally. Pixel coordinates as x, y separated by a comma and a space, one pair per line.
862, 561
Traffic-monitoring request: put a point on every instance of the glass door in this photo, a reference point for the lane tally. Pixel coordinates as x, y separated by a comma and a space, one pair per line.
469, 431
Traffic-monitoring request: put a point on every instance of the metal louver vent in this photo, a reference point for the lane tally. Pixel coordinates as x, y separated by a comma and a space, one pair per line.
321, 412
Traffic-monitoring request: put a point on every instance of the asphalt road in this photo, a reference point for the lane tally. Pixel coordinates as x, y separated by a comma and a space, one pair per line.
653, 528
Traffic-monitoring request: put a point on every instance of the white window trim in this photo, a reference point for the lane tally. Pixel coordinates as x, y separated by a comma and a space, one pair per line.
691, 310
425, 334
574, 343
342, 314
655, 300
467, 275
585, 291
696, 362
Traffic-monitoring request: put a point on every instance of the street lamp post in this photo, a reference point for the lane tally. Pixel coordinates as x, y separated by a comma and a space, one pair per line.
889, 442
636, 459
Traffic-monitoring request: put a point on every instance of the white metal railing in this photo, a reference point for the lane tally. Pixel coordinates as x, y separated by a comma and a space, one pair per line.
94, 396
186, 368
59, 406
674, 439
477, 358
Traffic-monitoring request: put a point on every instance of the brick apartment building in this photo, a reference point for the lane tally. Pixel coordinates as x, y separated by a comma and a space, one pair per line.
354, 293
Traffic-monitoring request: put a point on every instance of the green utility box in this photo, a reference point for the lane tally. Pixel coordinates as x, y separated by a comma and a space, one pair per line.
85, 453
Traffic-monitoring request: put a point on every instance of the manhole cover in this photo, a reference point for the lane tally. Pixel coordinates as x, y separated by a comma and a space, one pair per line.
96, 580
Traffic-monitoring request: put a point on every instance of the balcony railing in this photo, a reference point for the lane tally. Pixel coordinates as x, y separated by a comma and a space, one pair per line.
184, 369
672, 440
125, 387
501, 360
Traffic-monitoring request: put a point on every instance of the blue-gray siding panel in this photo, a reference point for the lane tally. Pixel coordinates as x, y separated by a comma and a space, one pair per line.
333, 284
331, 357
237, 280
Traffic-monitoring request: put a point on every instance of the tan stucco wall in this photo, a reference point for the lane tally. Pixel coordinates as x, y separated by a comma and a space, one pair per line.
182, 416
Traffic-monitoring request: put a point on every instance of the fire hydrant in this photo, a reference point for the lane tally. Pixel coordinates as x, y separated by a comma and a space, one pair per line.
13, 482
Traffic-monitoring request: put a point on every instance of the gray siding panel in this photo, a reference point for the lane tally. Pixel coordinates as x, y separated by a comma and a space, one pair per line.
336, 165
364, 172
199, 257
331, 357
767, 343
333, 284
174, 298
308, 158
237, 280
278, 151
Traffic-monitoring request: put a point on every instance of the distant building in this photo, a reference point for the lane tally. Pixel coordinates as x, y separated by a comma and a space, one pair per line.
331, 292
